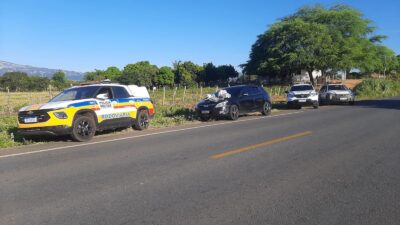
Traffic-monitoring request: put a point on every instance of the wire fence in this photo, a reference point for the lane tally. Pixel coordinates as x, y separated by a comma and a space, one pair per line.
11, 102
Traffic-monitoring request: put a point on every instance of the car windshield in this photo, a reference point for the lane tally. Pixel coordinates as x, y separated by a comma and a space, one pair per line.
233, 91
301, 88
337, 87
76, 94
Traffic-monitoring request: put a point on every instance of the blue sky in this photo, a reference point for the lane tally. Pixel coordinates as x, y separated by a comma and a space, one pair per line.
82, 35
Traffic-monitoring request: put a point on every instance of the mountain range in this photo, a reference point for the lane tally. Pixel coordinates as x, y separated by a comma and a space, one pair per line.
38, 71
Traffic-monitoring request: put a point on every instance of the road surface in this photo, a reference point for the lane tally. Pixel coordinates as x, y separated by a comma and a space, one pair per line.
333, 165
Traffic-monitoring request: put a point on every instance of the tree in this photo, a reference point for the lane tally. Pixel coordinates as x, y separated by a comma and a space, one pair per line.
59, 80
37, 83
140, 73
212, 73
186, 73
165, 76
226, 71
96, 75
112, 73
14, 81
338, 38
291, 45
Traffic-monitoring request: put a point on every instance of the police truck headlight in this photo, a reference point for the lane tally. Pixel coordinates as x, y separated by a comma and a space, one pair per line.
60, 115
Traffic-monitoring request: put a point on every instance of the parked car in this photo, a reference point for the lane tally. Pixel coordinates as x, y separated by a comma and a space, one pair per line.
336, 93
82, 110
302, 95
233, 101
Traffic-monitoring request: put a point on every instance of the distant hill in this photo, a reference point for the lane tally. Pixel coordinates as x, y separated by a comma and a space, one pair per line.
39, 71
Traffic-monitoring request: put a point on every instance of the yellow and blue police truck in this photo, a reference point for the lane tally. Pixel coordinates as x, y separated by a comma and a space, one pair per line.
80, 111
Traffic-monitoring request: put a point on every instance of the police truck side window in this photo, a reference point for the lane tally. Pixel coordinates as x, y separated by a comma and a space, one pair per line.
106, 90
120, 92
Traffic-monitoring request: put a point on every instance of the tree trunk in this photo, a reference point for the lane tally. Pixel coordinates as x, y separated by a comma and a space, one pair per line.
311, 76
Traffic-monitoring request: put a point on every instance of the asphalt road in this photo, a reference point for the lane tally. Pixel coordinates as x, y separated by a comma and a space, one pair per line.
333, 165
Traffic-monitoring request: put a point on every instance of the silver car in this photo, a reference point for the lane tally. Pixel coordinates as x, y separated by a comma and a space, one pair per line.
335, 93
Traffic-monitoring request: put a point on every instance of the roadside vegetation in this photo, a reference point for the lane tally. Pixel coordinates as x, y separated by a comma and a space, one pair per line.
378, 88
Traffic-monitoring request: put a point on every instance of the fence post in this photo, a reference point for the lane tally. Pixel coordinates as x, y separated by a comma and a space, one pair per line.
50, 93
173, 96
8, 101
163, 98
184, 95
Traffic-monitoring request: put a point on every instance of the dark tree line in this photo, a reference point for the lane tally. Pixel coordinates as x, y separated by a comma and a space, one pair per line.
181, 73
20, 81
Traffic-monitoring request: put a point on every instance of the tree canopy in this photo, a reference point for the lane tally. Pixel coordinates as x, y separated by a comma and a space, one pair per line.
58, 80
141, 73
20, 81
317, 38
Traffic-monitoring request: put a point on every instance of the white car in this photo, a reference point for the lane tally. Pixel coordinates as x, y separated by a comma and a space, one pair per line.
302, 95
336, 93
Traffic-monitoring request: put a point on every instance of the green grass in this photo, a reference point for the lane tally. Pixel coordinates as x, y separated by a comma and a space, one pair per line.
8, 134
167, 116
378, 88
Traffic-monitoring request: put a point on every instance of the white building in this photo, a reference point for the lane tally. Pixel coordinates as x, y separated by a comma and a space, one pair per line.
303, 76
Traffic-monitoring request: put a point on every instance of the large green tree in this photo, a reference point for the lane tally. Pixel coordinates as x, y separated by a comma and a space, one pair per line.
37, 83
112, 73
59, 80
336, 38
14, 81
186, 73
140, 73
212, 73
165, 76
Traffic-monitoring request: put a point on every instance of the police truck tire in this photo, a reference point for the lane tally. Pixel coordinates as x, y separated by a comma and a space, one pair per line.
83, 128
142, 120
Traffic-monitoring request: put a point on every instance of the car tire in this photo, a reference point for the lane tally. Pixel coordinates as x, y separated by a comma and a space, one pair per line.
266, 109
142, 120
351, 102
83, 128
315, 106
233, 112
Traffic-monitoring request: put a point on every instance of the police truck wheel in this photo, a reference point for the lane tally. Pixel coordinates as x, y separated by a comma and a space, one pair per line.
83, 128
142, 121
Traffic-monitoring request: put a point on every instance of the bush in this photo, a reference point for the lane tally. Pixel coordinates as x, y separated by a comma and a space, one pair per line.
171, 115
378, 88
8, 134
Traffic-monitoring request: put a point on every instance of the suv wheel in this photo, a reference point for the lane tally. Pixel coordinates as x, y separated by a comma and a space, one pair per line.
233, 112
315, 106
142, 121
266, 109
83, 128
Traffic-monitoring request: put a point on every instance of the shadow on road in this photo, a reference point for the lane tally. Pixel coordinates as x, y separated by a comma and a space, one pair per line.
393, 103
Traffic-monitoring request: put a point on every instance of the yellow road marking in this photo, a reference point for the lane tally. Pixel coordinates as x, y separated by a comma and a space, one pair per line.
248, 148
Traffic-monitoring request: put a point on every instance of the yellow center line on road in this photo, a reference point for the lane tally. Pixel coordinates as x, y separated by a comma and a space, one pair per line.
250, 147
